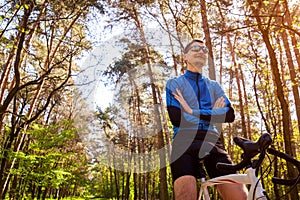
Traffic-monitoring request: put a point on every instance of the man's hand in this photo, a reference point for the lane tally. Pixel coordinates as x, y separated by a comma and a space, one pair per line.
182, 101
220, 103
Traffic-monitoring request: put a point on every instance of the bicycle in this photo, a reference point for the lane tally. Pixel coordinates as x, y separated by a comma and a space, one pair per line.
288, 158
251, 149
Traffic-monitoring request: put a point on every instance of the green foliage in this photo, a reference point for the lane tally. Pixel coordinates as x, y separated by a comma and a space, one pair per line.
51, 160
134, 57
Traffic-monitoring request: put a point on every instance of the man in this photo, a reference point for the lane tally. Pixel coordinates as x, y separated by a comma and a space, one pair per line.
195, 103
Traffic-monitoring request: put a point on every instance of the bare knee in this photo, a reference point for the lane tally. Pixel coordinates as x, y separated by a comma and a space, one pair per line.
226, 191
185, 188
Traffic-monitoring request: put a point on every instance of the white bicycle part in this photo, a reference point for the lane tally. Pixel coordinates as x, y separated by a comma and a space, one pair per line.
249, 178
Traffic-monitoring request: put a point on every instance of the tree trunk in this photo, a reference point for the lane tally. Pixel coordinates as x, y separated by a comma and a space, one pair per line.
4, 174
175, 67
205, 26
280, 94
237, 75
163, 172
292, 70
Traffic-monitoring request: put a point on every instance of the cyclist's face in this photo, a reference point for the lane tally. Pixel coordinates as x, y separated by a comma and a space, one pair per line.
196, 57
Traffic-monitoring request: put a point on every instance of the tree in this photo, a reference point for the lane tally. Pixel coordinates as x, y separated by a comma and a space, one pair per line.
134, 98
263, 27
41, 41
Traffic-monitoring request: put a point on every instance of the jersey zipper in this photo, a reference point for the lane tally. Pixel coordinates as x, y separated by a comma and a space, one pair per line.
198, 95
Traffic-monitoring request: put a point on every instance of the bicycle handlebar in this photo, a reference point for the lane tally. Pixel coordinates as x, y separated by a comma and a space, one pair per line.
251, 149
290, 159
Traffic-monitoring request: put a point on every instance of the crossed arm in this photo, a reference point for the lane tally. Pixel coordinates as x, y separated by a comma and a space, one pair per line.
219, 113
220, 103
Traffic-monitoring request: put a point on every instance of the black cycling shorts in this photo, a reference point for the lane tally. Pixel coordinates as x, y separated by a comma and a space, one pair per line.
189, 148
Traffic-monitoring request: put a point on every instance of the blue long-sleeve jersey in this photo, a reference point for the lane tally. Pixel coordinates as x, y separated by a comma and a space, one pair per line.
201, 94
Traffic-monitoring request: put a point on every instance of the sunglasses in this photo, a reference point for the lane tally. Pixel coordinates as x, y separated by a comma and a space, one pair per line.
198, 48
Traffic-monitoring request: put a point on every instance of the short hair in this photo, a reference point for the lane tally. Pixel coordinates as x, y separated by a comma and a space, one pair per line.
187, 47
